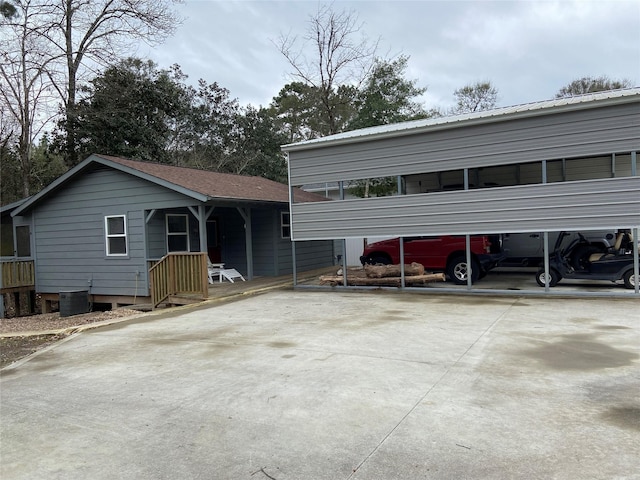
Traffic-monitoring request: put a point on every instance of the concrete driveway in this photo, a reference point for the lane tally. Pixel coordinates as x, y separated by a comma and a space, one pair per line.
336, 385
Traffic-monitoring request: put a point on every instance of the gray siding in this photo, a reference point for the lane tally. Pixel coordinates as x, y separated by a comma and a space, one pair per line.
583, 133
309, 256
263, 229
70, 238
233, 243
592, 204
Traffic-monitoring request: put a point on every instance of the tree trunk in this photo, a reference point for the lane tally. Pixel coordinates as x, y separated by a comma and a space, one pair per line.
379, 271
386, 281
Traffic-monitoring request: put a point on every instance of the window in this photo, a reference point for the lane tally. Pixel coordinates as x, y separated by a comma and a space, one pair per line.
116, 235
285, 224
23, 241
177, 233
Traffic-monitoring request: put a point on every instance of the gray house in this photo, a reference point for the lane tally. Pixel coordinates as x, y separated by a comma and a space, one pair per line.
101, 227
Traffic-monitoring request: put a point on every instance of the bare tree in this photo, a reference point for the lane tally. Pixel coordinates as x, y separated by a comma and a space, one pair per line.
97, 32
26, 90
475, 97
331, 54
52, 44
586, 85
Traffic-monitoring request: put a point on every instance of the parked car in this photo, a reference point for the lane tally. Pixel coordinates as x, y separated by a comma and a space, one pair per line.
445, 253
527, 249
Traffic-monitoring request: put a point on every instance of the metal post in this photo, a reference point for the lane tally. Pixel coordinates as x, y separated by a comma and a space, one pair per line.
344, 261
546, 233
636, 267
634, 164
468, 239
293, 259
291, 236
546, 261
467, 242
402, 283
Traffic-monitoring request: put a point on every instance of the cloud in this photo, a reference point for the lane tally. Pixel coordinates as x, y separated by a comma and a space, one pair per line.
527, 49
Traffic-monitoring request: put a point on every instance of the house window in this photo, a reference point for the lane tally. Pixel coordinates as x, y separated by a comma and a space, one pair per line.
285, 224
177, 233
116, 235
23, 241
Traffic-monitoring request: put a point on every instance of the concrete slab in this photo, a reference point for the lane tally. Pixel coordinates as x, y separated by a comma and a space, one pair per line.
329, 385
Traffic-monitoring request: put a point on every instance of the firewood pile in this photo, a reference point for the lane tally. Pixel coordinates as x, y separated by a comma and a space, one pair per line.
383, 275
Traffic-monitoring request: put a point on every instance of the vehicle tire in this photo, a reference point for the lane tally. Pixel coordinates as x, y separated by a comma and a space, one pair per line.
581, 254
378, 259
554, 277
629, 279
457, 270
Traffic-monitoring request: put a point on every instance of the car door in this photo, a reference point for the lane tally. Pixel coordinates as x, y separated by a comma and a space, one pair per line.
522, 245
424, 250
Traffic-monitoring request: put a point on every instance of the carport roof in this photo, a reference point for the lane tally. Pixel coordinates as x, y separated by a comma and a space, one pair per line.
579, 102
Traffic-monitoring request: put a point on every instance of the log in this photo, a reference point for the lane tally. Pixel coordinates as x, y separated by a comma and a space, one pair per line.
379, 271
385, 281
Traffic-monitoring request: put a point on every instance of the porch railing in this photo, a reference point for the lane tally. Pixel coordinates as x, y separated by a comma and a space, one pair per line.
17, 273
178, 274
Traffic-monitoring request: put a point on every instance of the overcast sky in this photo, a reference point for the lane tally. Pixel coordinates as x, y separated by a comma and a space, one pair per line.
527, 49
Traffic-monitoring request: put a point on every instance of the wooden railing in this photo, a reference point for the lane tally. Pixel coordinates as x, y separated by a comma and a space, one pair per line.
17, 273
178, 273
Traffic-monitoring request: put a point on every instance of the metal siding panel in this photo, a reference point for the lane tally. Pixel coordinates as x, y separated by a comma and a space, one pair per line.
593, 204
561, 135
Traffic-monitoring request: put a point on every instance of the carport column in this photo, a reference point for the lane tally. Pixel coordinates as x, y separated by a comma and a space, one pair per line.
467, 240
344, 241
402, 262
636, 268
636, 261
546, 233
546, 260
291, 234
246, 215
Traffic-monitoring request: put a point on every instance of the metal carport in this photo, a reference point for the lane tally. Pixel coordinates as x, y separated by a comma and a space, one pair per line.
539, 137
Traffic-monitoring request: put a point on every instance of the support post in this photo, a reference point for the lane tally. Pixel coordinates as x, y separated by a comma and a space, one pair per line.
246, 215
546, 261
636, 267
402, 282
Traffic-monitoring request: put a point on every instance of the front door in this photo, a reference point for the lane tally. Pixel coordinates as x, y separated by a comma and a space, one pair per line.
213, 241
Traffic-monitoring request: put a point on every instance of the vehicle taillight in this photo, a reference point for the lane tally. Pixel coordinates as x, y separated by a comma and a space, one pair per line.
487, 244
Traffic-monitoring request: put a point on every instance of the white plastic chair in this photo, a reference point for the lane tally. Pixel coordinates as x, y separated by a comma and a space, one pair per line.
218, 270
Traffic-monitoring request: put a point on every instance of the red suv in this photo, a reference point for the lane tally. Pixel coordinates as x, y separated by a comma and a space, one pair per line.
445, 253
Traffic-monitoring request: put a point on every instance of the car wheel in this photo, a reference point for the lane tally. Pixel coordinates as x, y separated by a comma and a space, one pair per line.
458, 270
554, 277
379, 260
629, 279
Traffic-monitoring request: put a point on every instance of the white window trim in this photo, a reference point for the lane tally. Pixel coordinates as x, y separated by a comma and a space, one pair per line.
283, 224
178, 233
116, 235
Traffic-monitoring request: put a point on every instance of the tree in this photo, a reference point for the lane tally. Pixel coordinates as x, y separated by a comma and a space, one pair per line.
590, 85
46, 46
475, 97
340, 59
25, 86
7, 9
387, 96
256, 146
130, 111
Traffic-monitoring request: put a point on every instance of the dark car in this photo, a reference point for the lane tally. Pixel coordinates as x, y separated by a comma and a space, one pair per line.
445, 253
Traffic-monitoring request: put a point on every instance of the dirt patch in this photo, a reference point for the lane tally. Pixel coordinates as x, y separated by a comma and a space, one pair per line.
14, 347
